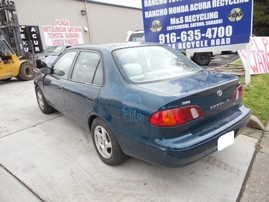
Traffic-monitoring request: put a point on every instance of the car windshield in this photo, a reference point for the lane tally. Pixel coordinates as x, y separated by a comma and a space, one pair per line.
54, 49
153, 63
49, 60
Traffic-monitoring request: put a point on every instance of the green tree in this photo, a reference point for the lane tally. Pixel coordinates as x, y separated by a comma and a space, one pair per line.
261, 18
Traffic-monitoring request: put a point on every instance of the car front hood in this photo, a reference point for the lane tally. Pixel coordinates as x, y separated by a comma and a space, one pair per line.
42, 55
189, 84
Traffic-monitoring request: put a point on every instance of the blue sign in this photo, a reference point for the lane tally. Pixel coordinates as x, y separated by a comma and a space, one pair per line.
188, 24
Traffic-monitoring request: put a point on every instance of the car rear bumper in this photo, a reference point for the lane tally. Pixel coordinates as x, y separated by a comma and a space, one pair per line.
180, 151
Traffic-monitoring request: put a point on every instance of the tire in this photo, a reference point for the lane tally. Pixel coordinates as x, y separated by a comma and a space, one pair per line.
18, 78
42, 103
25, 74
202, 58
106, 144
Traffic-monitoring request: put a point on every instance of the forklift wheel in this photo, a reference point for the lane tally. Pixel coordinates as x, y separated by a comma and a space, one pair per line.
25, 73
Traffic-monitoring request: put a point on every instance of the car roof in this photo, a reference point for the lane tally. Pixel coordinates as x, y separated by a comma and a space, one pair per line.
114, 46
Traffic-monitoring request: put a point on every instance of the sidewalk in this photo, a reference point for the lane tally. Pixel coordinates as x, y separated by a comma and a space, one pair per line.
256, 185
45, 158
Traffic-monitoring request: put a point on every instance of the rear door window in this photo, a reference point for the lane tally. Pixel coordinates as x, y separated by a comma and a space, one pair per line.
88, 68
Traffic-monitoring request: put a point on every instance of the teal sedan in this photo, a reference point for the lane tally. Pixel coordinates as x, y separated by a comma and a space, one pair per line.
144, 100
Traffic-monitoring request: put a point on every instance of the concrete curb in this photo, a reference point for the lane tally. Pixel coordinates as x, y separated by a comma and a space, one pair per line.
254, 122
267, 126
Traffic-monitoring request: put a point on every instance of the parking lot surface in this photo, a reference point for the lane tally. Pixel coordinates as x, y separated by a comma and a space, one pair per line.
46, 158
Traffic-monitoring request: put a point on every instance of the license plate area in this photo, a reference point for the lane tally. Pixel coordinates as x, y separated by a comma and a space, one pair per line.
225, 140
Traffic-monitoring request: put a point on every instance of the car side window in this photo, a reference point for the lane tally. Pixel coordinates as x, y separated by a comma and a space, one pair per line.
99, 76
63, 65
88, 68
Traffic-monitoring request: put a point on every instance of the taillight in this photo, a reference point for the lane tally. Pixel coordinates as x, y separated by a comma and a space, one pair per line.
176, 116
238, 93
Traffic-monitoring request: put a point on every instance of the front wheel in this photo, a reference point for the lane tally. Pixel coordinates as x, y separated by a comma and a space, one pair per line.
25, 73
42, 102
106, 144
202, 58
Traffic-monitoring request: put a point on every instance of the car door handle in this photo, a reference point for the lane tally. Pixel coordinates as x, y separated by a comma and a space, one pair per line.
91, 99
60, 87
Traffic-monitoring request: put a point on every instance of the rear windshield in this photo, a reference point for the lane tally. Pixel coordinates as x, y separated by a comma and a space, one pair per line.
153, 63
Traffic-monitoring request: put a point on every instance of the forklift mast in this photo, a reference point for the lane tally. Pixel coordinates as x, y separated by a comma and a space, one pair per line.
5, 48
9, 26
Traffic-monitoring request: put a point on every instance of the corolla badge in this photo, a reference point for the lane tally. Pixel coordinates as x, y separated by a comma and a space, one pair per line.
219, 93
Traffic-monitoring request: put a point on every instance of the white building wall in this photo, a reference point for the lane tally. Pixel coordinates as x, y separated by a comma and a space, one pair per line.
106, 23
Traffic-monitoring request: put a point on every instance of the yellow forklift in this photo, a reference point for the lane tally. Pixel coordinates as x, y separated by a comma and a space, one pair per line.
11, 65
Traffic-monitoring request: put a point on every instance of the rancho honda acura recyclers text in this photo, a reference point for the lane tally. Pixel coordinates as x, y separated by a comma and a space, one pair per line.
196, 6
186, 8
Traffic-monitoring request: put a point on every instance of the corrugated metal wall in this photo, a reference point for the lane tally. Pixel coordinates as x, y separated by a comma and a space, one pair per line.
106, 23
110, 23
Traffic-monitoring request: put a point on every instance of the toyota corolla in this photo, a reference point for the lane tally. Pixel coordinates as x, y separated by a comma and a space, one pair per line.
144, 100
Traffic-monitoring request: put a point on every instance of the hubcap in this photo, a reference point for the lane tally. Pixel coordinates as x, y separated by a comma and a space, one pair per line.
103, 142
40, 100
28, 72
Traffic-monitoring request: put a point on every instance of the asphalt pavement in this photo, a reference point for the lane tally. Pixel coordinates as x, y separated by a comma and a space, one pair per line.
220, 60
47, 158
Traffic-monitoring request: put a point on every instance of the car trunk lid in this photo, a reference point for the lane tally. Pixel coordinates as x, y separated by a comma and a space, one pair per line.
211, 91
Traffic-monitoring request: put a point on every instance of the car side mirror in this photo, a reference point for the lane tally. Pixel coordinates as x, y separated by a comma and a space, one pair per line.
45, 70
58, 72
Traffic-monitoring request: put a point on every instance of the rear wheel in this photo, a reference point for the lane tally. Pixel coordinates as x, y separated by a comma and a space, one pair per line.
42, 103
106, 144
202, 58
25, 73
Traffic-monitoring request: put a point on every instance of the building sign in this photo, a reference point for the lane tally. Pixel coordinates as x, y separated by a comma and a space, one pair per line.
62, 33
31, 40
189, 24
6, 3
259, 55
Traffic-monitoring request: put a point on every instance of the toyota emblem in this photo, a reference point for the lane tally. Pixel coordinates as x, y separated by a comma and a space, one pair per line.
219, 93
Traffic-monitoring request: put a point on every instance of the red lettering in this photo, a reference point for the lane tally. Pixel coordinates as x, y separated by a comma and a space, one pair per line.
60, 22
243, 53
257, 47
58, 42
265, 62
71, 35
255, 66
260, 63
265, 43
71, 41
74, 29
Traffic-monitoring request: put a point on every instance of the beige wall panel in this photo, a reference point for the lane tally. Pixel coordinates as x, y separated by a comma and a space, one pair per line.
106, 23
111, 23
